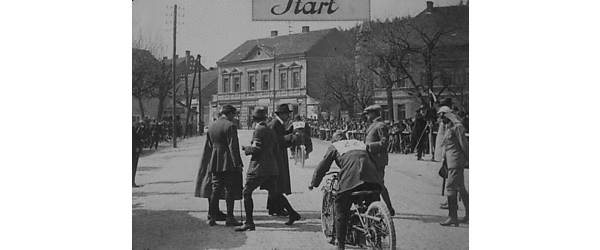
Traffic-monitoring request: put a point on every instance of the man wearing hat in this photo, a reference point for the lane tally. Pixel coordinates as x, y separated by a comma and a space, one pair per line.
418, 136
284, 140
263, 170
221, 167
455, 151
376, 138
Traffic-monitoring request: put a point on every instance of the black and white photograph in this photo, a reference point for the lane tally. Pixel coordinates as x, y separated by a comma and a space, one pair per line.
282, 124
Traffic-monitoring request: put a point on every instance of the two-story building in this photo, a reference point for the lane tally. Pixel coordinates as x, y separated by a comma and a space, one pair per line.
275, 70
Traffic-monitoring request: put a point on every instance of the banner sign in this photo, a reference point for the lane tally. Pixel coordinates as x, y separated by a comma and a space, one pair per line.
316, 10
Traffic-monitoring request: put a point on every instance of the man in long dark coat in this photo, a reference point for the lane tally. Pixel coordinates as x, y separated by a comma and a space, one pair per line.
376, 138
418, 137
284, 140
263, 170
221, 167
137, 149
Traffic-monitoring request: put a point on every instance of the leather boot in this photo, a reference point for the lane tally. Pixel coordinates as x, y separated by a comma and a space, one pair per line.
465, 199
452, 212
249, 225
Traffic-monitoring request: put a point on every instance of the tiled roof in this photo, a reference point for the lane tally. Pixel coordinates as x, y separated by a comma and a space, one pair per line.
283, 45
455, 18
180, 62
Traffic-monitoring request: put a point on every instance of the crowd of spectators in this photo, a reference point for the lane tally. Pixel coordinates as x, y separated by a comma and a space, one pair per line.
152, 132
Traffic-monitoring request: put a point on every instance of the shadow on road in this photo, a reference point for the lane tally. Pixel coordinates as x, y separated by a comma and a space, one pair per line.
169, 229
421, 217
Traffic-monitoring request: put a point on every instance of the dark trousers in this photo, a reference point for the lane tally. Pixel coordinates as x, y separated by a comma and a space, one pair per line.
269, 183
222, 181
343, 202
135, 158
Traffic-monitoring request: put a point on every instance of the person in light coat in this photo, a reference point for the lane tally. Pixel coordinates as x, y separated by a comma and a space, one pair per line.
456, 157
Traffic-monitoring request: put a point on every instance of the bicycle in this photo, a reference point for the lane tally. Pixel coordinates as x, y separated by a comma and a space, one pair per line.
370, 224
300, 155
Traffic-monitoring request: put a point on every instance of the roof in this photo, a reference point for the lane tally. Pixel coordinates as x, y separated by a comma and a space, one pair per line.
180, 62
283, 45
454, 19
208, 77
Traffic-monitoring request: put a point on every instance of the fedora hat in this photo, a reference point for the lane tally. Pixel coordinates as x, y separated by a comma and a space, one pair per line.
260, 112
283, 108
228, 109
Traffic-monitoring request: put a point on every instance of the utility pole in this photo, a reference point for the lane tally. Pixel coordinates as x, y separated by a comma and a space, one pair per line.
200, 108
174, 66
274, 81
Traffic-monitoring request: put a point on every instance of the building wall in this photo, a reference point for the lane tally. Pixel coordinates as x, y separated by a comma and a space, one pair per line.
245, 100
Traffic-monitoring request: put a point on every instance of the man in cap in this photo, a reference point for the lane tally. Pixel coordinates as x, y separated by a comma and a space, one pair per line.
221, 167
263, 170
376, 137
284, 140
455, 150
357, 172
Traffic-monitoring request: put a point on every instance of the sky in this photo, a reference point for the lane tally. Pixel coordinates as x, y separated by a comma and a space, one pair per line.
213, 28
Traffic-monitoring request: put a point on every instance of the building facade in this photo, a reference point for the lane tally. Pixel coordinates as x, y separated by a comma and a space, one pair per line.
275, 70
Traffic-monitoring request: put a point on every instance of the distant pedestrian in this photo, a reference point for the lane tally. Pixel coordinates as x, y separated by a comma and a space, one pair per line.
137, 149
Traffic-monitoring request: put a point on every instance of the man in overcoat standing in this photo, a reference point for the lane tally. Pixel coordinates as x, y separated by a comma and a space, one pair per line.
263, 170
376, 138
284, 140
221, 166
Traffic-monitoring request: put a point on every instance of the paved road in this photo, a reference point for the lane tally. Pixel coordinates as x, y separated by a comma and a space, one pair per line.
167, 216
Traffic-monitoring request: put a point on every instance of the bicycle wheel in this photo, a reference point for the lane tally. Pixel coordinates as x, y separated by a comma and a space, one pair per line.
327, 215
382, 233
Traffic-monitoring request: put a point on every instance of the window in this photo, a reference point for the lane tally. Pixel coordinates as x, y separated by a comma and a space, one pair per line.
283, 81
296, 80
265, 82
236, 84
401, 112
251, 83
225, 85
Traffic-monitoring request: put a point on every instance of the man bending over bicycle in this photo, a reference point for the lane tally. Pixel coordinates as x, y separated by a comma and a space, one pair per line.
357, 172
302, 131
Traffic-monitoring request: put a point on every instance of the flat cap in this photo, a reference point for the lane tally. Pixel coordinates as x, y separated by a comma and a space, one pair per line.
444, 109
372, 108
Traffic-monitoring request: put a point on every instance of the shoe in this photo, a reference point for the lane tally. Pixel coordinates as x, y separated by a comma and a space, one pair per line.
293, 218
281, 213
444, 206
246, 227
220, 216
135, 185
212, 223
392, 212
233, 223
449, 222
465, 219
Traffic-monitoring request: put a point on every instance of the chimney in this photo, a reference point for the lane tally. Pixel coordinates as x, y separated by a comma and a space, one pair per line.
273, 33
305, 29
429, 7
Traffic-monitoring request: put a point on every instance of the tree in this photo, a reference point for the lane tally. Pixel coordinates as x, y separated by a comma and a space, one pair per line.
407, 49
143, 75
344, 81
